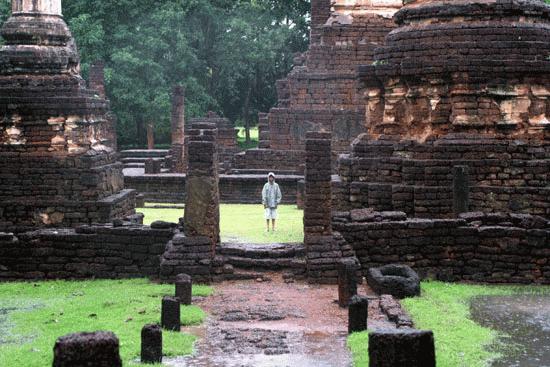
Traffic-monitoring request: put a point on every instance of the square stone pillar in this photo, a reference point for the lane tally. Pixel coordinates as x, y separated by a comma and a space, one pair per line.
179, 163
318, 196
323, 250
202, 206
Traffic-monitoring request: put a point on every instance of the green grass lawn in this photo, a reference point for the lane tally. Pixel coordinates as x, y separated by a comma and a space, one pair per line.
48, 310
445, 309
244, 223
254, 138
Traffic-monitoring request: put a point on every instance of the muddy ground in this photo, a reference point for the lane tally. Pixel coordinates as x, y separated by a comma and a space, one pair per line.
273, 323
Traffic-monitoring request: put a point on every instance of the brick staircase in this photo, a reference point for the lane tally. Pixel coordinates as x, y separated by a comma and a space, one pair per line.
253, 261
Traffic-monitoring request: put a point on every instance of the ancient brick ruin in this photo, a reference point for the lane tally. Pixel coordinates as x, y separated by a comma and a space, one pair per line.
57, 163
226, 138
493, 248
436, 101
450, 131
434, 77
324, 249
321, 92
202, 214
447, 171
432, 149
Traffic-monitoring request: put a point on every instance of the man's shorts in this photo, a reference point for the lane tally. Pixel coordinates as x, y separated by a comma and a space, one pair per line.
270, 213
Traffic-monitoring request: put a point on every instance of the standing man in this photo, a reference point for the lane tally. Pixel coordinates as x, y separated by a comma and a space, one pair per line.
271, 198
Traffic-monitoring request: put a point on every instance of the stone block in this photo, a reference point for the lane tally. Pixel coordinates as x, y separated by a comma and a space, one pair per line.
99, 349
400, 281
358, 314
396, 348
347, 281
170, 313
184, 289
151, 344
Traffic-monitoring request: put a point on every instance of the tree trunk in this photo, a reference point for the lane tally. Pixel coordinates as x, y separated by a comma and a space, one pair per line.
140, 132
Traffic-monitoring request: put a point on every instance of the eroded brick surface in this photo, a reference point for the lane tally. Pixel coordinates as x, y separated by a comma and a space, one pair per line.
58, 164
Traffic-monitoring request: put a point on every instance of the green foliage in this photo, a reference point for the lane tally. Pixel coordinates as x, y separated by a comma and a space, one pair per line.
48, 310
227, 54
254, 138
5, 9
244, 223
445, 309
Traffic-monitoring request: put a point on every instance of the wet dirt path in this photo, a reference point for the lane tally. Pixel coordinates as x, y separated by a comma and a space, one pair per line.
268, 324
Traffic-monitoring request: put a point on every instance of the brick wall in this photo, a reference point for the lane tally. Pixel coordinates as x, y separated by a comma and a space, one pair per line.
84, 252
417, 178
234, 189
269, 160
493, 248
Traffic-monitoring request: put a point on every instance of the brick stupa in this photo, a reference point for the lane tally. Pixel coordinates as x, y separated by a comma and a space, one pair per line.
321, 92
481, 67
57, 163
458, 93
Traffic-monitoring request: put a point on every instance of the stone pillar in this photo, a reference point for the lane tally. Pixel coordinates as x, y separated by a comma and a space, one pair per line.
323, 252
96, 78
461, 189
411, 348
87, 349
202, 207
48, 7
150, 136
318, 196
184, 289
347, 281
170, 314
151, 344
178, 130
358, 314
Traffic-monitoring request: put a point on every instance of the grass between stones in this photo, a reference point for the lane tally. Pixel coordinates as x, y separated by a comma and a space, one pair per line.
445, 309
45, 311
244, 223
254, 138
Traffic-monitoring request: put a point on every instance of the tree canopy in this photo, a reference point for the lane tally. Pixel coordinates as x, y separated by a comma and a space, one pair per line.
227, 54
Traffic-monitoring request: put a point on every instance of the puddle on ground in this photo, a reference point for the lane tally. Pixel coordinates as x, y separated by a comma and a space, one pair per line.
6, 325
525, 320
267, 348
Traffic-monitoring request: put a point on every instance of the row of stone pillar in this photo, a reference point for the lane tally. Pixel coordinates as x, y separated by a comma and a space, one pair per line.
102, 348
387, 348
